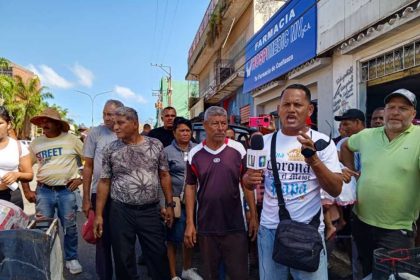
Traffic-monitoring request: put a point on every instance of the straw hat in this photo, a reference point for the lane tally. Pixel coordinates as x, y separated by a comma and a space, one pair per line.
50, 113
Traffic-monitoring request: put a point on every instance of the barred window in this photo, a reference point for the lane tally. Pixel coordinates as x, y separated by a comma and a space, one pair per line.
396, 60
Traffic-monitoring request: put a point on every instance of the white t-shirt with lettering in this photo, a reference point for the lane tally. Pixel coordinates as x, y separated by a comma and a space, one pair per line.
301, 189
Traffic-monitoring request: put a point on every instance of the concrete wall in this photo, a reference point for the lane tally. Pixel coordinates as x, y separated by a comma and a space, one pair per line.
340, 19
239, 35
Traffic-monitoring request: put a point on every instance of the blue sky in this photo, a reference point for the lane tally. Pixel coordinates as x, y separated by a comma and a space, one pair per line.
95, 46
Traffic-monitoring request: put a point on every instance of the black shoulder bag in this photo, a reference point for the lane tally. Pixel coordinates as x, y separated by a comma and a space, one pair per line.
296, 245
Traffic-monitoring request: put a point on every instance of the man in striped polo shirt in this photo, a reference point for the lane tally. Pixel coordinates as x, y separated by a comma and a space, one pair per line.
58, 154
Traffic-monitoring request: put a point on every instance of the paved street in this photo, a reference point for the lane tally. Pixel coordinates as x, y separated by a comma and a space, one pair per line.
339, 265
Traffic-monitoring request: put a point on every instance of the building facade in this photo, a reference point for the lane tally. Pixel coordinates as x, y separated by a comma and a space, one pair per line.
364, 50
349, 53
217, 55
176, 94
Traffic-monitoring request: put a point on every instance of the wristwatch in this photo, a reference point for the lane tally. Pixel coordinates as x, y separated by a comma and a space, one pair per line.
307, 153
170, 204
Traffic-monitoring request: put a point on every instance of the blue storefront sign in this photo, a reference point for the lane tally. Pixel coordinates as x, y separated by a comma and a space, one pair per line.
287, 40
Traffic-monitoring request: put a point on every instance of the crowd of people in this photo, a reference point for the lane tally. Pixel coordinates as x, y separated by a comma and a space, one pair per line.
161, 188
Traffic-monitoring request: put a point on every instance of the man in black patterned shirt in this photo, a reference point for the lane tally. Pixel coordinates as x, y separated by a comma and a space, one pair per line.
133, 169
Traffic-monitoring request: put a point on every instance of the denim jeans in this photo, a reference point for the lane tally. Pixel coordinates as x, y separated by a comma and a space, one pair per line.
64, 200
269, 269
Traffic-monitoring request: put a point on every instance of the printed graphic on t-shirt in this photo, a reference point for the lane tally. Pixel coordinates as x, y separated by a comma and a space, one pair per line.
44, 156
293, 171
300, 187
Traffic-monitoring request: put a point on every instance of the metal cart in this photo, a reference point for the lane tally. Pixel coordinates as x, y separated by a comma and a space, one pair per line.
32, 253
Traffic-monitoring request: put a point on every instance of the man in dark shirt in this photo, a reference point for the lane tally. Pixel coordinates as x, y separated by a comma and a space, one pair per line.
216, 165
134, 168
146, 129
164, 133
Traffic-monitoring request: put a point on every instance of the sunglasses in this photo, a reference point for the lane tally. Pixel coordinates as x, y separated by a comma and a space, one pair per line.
319, 145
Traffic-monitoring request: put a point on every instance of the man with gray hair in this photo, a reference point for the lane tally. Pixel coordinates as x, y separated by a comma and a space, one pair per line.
133, 169
388, 197
93, 148
216, 165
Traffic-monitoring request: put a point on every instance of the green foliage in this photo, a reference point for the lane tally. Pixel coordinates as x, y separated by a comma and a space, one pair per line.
216, 22
4, 63
63, 113
23, 99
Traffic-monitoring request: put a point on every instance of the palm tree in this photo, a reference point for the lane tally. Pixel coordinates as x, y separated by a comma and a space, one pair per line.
7, 85
25, 100
64, 112
4, 80
4, 63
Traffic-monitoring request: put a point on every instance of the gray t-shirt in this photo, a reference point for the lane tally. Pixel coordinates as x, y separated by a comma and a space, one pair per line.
96, 141
177, 160
134, 170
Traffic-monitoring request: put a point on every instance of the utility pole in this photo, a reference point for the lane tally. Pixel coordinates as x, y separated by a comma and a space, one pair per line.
158, 105
169, 79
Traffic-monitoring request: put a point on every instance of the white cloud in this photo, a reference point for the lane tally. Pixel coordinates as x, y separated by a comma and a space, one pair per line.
127, 93
84, 75
49, 77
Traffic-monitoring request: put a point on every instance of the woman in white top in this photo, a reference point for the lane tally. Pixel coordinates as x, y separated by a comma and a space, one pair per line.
15, 161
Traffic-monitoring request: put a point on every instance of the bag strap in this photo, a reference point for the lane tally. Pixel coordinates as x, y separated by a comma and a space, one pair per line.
283, 213
19, 148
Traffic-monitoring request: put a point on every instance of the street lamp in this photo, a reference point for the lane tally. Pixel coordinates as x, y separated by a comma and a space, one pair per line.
92, 98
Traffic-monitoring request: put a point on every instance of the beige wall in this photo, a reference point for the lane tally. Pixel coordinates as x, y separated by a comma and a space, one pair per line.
340, 19
389, 42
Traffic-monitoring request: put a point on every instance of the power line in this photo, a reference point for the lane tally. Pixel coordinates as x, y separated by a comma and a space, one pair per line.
171, 26
154, 29
163, 28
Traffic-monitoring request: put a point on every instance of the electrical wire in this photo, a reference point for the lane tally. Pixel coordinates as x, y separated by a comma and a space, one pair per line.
162, 33
169, 36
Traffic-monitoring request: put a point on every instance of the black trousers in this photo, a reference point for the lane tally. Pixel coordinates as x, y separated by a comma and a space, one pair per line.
231, 249
5, 195
368, 238
127, 223
103, 257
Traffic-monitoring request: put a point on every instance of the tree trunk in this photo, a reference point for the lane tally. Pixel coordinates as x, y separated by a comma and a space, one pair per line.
26, 131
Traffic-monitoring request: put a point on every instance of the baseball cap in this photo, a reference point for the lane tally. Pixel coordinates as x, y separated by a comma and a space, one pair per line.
411, 97
351, 114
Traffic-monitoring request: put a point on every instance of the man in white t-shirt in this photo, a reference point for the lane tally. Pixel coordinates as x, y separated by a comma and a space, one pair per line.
301, 178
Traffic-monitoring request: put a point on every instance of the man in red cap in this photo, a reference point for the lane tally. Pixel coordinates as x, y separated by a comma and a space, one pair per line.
57, 154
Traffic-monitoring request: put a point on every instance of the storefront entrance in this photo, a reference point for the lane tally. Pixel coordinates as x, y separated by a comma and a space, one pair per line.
376, 93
